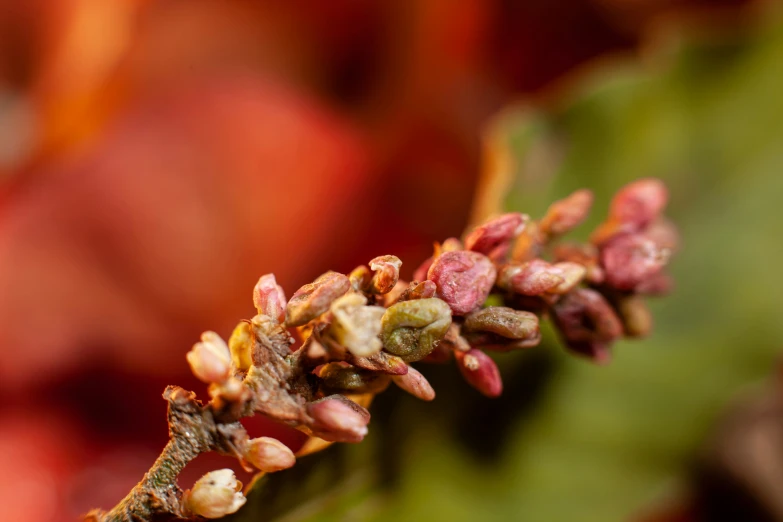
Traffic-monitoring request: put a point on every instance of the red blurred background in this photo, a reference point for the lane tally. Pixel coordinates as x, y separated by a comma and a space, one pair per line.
156, 157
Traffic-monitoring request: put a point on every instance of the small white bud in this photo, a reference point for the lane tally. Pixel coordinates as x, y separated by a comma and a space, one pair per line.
210, 359
215, 495
269, 455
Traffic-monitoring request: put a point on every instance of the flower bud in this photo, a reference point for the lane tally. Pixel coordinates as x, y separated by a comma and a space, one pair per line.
480, 371
269, 455
418, 290
416, 384
269, 298
568, 213
215, 495
241, 344
411, 329
629, 260
355, 325
495, 233
584, 254
639, 203
210, 359
387, 272
533, 278
463, 279
343, 377
636, 316
420, 274
572, 274
657, 285
381, 362
315, 298
338, 419
585, 316
503, 321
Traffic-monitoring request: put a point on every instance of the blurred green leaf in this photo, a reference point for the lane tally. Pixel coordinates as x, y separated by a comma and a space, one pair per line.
597, 444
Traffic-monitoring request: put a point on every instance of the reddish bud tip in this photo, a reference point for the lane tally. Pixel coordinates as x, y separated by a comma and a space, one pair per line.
495, 233
639, 203
269, 298
416, 384
338, 419
269, 455
314, 298
463, 279
533, 278
568, 213
629, 260
480, 371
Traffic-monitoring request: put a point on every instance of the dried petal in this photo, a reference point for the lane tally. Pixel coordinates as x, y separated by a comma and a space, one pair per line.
503, 321
639, 203
338, 419
418, 290
568, 213
269, 455
533, 278
269, 298
411, 329
215, 495
495, 233
355, 325
241, 344
584, 315
463, 279
315, 298
416, 384
210, 359
387, 272
629, 260
481, 372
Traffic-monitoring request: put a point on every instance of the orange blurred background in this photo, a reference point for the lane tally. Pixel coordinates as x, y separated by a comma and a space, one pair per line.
157, 156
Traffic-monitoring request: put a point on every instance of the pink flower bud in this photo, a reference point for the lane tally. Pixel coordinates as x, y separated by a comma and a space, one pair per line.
572, 274
463, 279
420, 274
314, 299
639, 203
215, 495
480, 371
495, 233
338, 419
585, 316
210, 359
416, 384
629, 260
533, 278
269, 455
566, 214
269, 298
583, 254
387, 272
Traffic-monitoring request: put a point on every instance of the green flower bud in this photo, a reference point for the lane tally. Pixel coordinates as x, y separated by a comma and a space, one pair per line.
411, 329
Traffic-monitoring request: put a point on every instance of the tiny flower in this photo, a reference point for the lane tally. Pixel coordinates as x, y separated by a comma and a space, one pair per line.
210, 359
411, 329
269, 455
416, 384
355, 325
495, 233
503, 321
463, 279
315, 298
629, 260
338, 419
269, 298
387, 272
533, 278
215, 495
480, 371
241, 344
568, 213
639, 203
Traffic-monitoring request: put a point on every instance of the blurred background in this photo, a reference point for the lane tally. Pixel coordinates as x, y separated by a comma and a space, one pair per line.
157, 156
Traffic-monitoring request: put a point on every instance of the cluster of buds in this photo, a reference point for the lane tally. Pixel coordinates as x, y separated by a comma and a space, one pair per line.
362, 331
